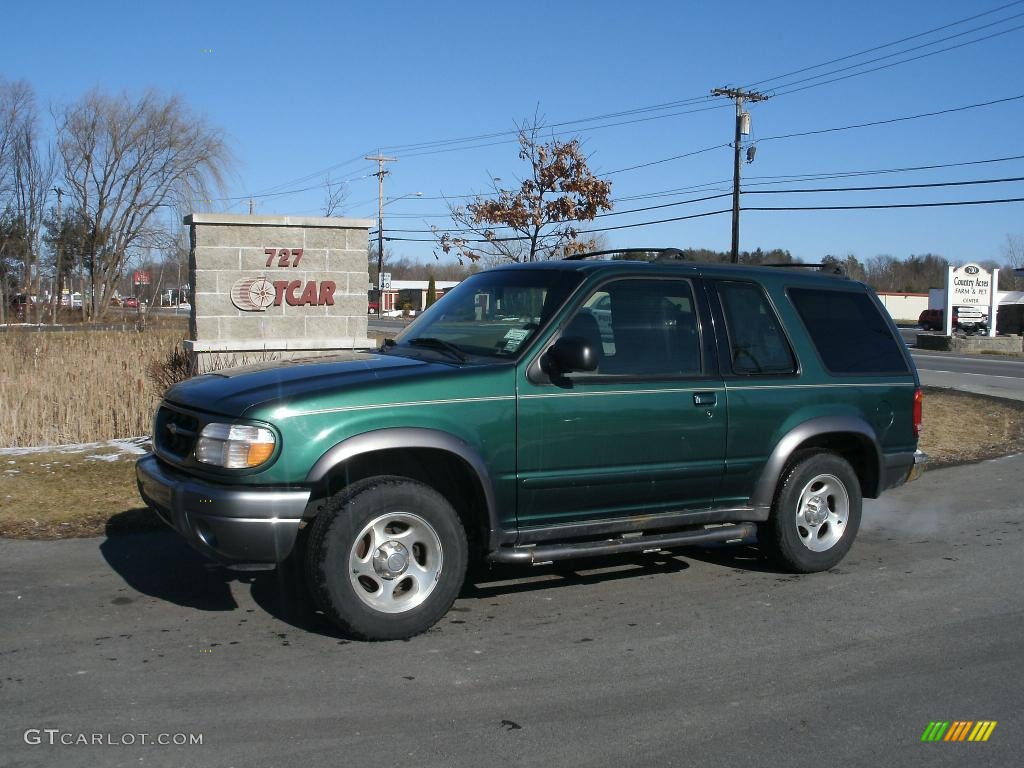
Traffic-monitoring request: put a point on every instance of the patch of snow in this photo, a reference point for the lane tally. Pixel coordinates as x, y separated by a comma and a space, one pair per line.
122, 446
107, 457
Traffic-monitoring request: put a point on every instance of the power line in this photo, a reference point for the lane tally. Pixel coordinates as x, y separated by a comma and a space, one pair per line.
454, 145
794, 177
886, 45
698, 99
997, 201
600, 215
561, 124
887, 205
270, 191
582, 231
315, 174
894, 63
774, 180
658, 221
972, 182
823, 130
287, 192
665, 160
893, 120
802, 177
884, 187
561, 133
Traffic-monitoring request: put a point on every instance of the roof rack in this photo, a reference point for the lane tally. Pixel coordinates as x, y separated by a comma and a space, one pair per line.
675, 254
663, 254
828, 269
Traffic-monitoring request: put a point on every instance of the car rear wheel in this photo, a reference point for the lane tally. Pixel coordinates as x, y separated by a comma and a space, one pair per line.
815, 515
386, 558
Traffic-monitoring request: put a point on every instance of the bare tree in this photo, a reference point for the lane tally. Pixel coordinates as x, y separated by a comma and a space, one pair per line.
125, 159
1013, 251
538, 219
336, 192
1013, 256
26, 178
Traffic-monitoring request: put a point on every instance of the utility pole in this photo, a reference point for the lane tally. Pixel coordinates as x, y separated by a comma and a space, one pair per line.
60, 236
380, 174
742, 128
251, 206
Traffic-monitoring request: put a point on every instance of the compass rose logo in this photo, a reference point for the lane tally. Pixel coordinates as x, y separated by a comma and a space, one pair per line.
253, 294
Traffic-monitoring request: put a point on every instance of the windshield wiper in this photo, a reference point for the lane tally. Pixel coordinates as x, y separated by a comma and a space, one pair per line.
439, 344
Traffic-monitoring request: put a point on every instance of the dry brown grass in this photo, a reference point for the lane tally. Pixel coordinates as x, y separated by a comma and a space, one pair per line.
84, 386
961, 427
70, 494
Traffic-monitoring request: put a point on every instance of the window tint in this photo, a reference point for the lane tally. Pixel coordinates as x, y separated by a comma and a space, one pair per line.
757, 343
641, 328
492, 314
848, 331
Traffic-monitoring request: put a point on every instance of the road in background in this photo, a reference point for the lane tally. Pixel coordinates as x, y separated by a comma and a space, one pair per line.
387, 324
981, 374
707, 657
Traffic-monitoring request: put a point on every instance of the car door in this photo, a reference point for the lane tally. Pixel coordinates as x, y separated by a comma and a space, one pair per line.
643, 433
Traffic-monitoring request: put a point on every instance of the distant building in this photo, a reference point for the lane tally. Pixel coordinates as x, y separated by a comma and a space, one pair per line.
904, 306
411, 294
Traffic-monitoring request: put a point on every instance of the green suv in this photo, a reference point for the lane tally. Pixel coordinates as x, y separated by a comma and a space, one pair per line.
547, 411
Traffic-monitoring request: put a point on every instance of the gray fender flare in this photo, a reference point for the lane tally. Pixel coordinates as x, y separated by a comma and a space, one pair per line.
409, 437
764, 490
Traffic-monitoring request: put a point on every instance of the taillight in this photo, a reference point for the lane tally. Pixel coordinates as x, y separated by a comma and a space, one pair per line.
918, 399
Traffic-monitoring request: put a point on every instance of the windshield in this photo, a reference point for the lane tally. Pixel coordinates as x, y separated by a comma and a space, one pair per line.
492, 314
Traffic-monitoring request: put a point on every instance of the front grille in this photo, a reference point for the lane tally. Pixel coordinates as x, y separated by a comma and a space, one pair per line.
176, 432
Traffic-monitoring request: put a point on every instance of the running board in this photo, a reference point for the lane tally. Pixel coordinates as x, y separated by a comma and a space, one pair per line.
546, 553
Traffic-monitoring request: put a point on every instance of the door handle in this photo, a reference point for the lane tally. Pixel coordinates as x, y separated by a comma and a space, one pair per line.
705, 398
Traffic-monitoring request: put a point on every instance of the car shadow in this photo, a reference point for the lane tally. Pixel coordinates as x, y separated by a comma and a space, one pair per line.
162, 565
743, 557
501, 579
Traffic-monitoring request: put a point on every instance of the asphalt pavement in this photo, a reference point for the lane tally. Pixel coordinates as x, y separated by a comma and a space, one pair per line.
708, 657
982, 374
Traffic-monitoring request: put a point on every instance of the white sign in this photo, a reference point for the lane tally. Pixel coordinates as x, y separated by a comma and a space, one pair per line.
385, 281
971, 286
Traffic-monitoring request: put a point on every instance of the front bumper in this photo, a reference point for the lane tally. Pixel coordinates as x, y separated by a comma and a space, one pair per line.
231, 524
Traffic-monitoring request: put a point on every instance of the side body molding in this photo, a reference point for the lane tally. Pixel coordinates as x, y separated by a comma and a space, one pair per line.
764, 491
410, 437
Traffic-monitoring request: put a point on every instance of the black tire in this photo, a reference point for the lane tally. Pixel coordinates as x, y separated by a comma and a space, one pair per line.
813, 486
342, 536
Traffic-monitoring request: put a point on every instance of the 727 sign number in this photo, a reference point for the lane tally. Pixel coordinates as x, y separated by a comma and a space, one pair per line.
284, 256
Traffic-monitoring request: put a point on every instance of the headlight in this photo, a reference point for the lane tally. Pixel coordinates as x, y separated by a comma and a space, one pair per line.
235, 446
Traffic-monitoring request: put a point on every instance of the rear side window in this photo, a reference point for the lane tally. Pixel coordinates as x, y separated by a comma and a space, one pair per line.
757, 344
849, 332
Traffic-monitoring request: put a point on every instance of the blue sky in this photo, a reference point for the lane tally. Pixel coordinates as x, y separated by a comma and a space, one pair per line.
301, 87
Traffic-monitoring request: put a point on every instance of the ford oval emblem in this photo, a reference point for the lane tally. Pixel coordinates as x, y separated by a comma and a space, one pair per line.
970, 269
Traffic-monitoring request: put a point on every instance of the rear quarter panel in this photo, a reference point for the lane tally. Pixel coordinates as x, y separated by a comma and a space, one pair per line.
763, 410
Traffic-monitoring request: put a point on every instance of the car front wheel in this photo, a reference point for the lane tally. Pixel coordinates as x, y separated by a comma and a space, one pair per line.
815, 515
386, 558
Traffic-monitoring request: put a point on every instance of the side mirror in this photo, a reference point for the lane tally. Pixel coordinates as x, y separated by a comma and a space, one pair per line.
569, 354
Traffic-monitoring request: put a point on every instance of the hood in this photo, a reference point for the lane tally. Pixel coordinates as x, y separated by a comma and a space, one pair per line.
234, 391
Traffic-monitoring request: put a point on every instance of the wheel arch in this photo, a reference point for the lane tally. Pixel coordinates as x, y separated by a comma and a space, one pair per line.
848, 436
438, 459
